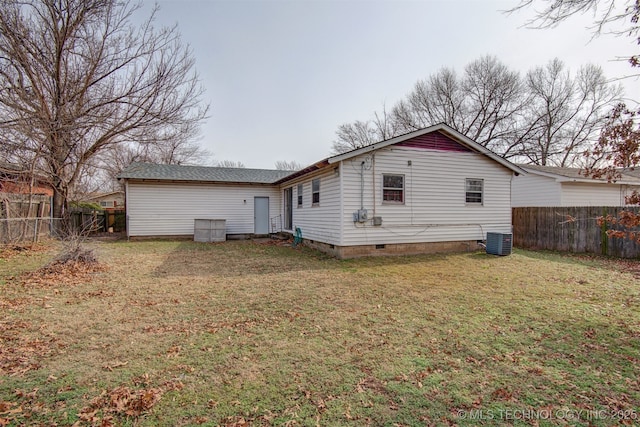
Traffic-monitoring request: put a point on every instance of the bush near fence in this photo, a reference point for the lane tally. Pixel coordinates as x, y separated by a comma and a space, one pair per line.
570, 229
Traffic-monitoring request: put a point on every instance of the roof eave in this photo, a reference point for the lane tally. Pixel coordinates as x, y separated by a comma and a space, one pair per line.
562, 178
195, 181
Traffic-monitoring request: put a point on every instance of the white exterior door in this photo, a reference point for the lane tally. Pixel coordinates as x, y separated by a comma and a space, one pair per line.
261, 215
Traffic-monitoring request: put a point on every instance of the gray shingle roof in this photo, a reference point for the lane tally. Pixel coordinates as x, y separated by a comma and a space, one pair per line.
574, 173
201, 173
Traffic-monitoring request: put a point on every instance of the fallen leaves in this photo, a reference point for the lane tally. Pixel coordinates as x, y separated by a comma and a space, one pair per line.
60, 273
105, 409
8, 412
20, 353
121, 401
11, 251
114, 365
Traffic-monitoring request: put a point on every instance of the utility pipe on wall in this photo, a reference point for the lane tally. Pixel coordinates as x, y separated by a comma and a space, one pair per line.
362, 185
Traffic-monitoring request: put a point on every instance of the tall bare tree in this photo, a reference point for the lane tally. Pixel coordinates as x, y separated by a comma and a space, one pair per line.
359, 134
284, 165
483, 103
620, 18
564, 113
229, 164
78, 78
548, 117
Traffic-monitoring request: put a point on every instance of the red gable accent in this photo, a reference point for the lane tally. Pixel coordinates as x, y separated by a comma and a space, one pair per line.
434, 141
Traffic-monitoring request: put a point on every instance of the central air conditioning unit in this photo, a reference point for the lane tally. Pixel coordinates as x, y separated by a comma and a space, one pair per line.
499, 243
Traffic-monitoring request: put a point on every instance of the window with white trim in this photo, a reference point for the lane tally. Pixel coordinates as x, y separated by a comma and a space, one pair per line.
393, 189
300, 189
315, 192
474, 191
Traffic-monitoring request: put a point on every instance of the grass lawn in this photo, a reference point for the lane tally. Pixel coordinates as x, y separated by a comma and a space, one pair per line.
241, 333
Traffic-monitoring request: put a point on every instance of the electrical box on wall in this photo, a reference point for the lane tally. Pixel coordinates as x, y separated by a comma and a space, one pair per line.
361, 215
377, 220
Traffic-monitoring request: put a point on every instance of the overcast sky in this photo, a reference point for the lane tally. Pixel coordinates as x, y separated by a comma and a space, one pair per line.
281, 76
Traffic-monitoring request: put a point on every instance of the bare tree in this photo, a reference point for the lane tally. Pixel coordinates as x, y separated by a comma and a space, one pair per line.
78, 78
609, 16
229, 164
564, 114
358, 134
483, 103
283, 165
549, 117
351, 136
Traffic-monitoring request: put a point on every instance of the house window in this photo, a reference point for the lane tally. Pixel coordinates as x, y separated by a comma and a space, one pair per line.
299, 195
393, 188
103, 204
315, 191
474, 190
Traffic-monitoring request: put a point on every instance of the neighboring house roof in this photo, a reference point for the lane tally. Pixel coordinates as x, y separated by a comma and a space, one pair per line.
149, 171
442, 128
102, 195
15, 179
560, 174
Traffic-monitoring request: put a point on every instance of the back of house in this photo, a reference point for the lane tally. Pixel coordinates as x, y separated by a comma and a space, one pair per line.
432, 190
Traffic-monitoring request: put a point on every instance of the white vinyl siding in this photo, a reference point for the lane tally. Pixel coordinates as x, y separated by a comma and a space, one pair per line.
435, 208
535, 190
159, 209
322, 223
585, 194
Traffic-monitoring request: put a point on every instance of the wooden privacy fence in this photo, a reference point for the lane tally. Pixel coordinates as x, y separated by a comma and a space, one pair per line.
570, 229
23, 217
95, 221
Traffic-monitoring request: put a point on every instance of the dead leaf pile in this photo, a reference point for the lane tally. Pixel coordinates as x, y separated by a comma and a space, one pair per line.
123, 402
58, 273
11, 251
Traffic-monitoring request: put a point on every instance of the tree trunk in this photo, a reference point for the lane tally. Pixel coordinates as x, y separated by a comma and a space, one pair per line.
60, 211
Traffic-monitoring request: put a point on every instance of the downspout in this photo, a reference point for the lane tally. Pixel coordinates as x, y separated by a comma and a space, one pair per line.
373, 181
513, 175
362, 185
126, 209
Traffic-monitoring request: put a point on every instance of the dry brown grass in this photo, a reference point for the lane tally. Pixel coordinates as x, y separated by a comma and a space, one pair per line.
179, 333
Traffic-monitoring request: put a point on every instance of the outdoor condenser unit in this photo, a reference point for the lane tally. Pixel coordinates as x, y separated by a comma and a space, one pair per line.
499, 243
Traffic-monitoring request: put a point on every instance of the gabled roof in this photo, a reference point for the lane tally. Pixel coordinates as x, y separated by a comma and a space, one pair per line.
100, 195
442, 128
150, 171
561, 174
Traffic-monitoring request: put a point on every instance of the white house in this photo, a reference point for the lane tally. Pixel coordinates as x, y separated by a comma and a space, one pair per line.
556, 186
430, 190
